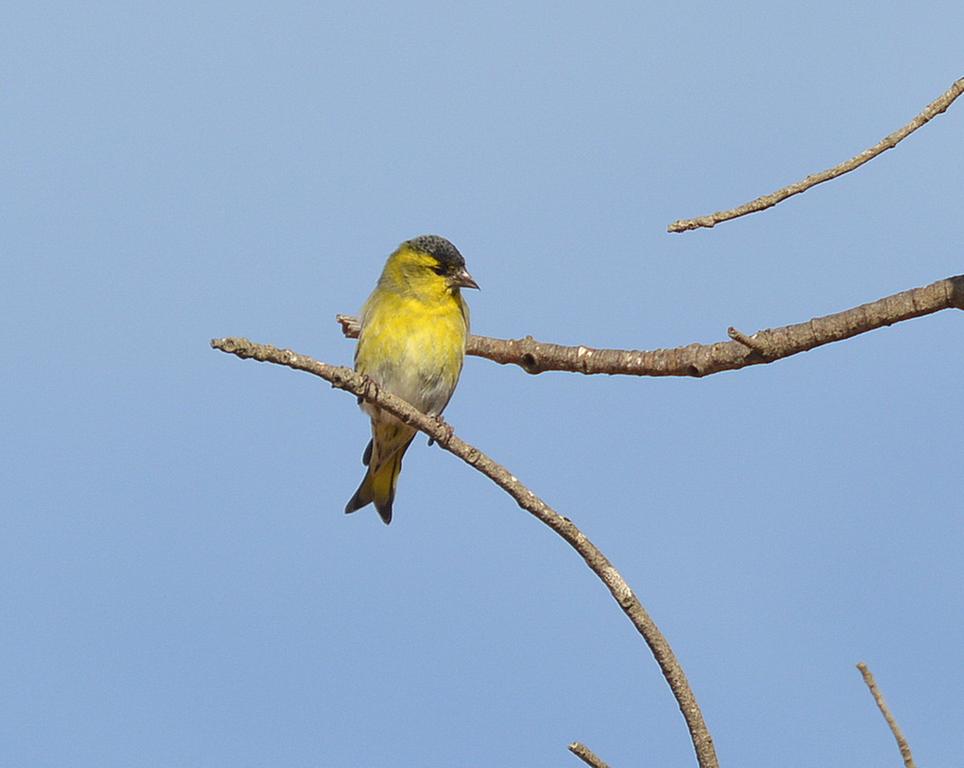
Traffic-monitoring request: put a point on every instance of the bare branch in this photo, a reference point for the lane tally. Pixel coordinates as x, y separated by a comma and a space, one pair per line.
362, 386
704, 359
587, 755
931, 111
885, 711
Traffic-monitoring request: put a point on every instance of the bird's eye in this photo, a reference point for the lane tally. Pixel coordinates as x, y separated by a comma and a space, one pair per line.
439, 270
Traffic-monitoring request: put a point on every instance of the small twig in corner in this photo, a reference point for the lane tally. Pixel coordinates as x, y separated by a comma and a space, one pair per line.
931, 111
747, 341
885, 711
586, 755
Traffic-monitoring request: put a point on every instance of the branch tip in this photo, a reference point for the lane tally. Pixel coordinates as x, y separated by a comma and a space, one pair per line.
902, 744
349, 325
586, 755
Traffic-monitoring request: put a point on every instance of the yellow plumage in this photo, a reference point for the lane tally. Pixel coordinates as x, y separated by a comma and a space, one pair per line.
412, 343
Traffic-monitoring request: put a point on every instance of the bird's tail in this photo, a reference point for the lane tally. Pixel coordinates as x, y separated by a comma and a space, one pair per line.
378, 485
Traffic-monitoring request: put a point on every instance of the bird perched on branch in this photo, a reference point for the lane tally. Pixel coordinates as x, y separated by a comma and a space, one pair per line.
411, 343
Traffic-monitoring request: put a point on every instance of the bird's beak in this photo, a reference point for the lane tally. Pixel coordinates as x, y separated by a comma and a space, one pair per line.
462, 279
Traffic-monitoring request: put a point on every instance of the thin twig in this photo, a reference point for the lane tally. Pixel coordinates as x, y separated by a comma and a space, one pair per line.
704, 359
885, 711
362, 386
747, 341
587, 755
931, 111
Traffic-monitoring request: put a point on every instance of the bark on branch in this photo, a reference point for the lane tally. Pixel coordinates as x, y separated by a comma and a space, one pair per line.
699, 360
587, 755
931, 111
902, 744
362, 386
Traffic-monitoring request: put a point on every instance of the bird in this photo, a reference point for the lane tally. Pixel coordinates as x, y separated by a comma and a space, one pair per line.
414, 326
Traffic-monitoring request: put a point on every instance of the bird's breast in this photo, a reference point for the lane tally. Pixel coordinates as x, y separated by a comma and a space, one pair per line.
412, 350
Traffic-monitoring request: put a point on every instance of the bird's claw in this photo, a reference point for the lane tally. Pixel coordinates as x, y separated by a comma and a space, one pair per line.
447, 431
369, 389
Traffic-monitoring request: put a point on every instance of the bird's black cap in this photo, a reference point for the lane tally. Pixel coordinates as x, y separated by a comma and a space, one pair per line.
435, 245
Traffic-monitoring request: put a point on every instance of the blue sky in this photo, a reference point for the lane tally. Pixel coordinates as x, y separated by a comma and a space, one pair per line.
179, 584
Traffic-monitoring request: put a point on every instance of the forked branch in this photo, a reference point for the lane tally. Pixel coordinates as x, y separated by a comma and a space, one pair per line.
362, 386
704, 359
931, 111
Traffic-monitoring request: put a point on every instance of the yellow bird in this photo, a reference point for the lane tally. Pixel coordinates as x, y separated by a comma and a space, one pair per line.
411, 343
